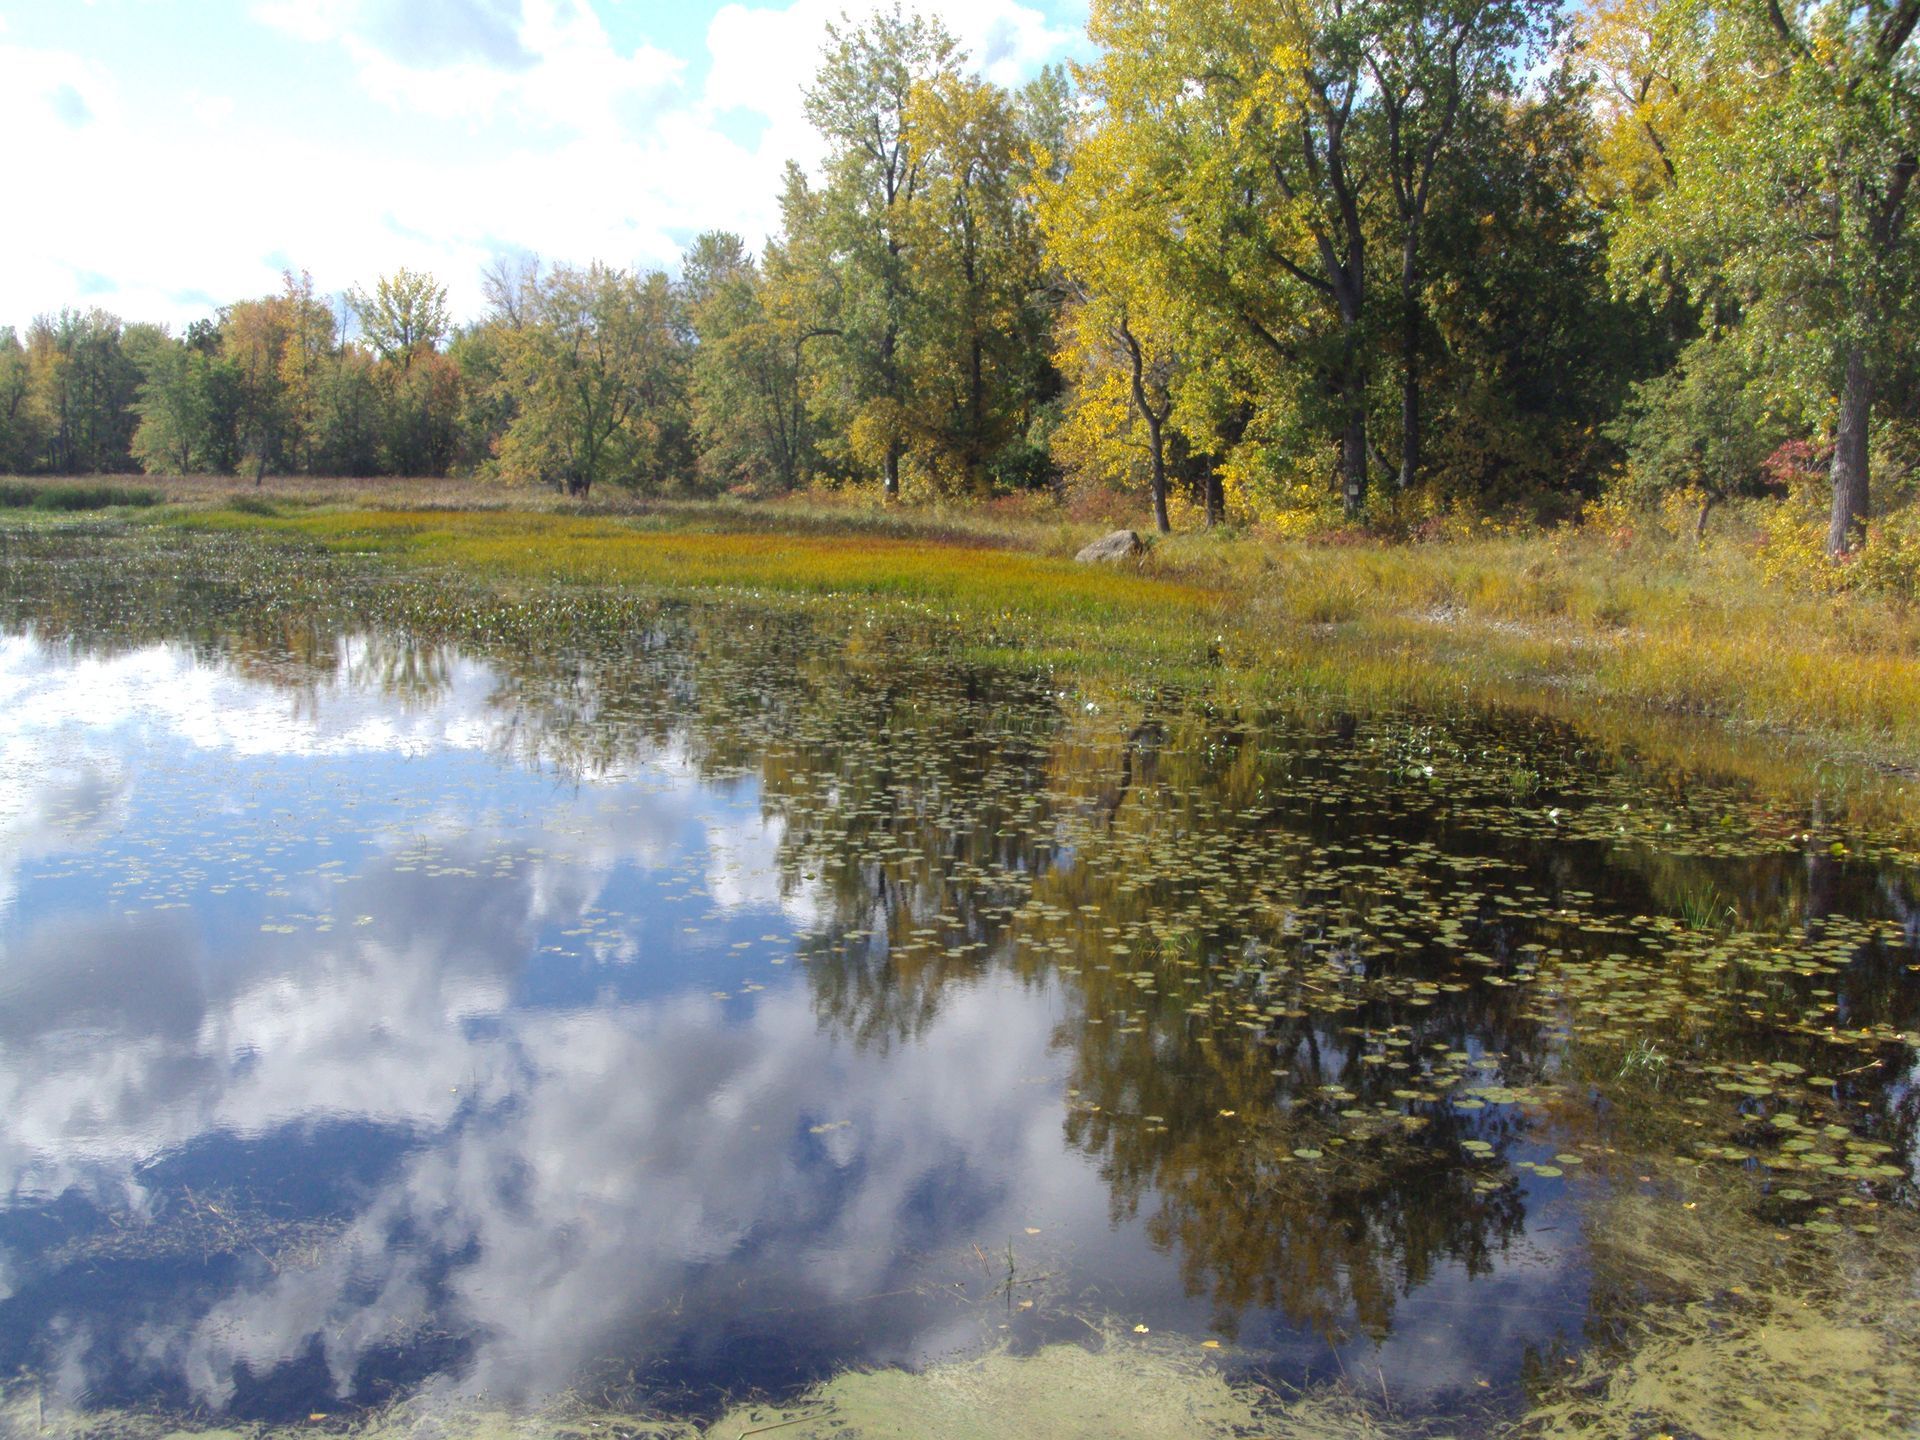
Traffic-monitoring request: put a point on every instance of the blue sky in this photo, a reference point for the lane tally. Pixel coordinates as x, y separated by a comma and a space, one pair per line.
166, 156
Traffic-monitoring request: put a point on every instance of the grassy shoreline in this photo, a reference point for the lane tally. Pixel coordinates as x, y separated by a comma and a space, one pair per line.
1670, 647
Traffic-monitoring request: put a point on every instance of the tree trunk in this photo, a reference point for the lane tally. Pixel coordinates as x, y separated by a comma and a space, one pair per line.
1700, 522
1410, 364
1159, 452
1849, 472
893, 470
1409, 423
976, 413
1216, 499
1353, 454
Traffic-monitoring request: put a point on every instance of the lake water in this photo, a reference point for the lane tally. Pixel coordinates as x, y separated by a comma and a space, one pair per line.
658, 1004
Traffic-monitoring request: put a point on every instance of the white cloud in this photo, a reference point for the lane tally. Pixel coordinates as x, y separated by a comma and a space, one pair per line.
545, 134
53, 89
551, 63
211, 110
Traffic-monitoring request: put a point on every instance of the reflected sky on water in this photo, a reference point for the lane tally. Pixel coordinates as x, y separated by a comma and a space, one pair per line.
722, 1003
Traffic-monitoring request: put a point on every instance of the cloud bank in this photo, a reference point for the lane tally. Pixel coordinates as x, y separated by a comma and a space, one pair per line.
435, 135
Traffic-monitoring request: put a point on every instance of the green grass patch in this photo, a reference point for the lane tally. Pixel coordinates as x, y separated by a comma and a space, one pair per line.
19, 495
1006, 596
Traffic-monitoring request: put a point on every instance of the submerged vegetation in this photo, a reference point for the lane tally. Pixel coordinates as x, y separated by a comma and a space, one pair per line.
685, 911
1350, 1013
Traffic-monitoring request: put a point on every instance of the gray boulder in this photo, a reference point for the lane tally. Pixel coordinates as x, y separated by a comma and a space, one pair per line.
1111, 549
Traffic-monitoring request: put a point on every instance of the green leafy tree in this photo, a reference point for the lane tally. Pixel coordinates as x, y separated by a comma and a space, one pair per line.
253, 340
1117, 341
349, 415
1242, 119
488, 400
599, 378
20, 429
977, 350
1532, 353
404, 313
749, 407
1279, 154
861, 103
1434, 65
175, 409
306, 355
421, 409
1705, 425
1792, 193
83, 383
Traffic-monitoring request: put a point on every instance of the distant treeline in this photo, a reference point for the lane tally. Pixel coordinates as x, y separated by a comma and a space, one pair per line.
1287, 259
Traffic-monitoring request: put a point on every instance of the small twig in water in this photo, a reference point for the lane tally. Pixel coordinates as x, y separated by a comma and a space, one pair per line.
783, 1424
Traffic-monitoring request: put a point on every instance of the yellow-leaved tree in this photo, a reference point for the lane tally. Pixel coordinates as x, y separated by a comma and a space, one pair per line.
1116, 345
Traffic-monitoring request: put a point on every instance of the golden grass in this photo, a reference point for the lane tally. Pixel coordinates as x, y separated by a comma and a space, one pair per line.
1567, 622
1657, 641
1007, 595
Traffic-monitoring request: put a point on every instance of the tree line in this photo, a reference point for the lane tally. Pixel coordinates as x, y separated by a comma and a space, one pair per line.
1311, 257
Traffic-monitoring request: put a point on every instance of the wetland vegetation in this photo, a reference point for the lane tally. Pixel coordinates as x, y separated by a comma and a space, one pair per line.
603, 870
444, 996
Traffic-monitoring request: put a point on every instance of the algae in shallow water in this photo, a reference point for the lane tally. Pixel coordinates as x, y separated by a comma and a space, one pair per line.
1115, 1393
1125, 1390
1731, 1334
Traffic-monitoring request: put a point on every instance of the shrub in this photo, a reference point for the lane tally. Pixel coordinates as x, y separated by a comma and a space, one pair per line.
74, 497
1793, 550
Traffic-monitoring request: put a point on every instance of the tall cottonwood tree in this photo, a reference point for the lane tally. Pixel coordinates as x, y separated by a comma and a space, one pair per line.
403, 313
19, 428
175, 409
1116, 342
1432, 63
982, 313
1792, 189
749, 407
1242, 122
81, 382
1274, 137
861, 103
307, 354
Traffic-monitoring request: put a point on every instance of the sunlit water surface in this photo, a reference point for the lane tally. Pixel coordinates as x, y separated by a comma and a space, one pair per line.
710, 1002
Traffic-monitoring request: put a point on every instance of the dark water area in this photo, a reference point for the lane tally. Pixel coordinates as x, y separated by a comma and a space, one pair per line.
666, 1003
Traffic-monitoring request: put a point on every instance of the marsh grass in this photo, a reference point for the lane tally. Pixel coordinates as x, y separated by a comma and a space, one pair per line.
1000, 595
28, 495
1704, 908
1639, 639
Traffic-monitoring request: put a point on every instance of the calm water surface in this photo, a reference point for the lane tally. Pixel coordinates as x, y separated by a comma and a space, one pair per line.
673, 1003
